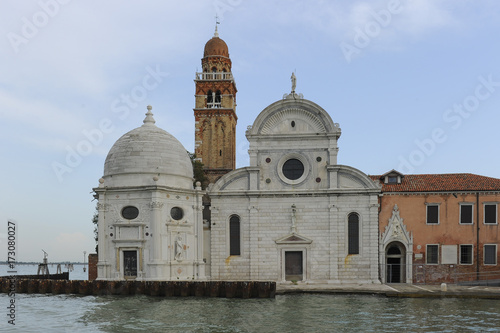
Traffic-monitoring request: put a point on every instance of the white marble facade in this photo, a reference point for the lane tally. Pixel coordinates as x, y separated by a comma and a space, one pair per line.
150, 216
293, 215
293, 205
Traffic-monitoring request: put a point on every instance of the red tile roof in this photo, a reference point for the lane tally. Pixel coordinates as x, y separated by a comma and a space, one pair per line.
442, 183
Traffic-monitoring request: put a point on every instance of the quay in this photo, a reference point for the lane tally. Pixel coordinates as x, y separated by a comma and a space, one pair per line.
239, 289
395, 290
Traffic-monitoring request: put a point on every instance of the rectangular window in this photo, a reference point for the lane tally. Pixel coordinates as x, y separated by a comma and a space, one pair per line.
490, 213
432, 254
432, 214
392, 179
465, 254
490, 254
466, 214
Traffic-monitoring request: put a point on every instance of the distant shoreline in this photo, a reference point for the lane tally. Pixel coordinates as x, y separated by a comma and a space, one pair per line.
50, 263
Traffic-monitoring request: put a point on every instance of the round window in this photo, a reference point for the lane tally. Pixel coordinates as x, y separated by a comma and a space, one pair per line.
293, 169
176, 213
130, 212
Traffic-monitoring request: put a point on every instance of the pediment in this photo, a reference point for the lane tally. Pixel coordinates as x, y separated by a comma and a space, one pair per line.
396, 230
293, 238
302, 120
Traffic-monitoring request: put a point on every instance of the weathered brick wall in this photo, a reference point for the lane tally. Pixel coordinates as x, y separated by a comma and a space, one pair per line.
93, 266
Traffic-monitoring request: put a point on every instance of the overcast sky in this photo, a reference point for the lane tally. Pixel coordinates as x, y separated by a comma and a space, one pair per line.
414, 85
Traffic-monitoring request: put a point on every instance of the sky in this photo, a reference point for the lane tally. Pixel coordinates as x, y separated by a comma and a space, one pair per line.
414, 85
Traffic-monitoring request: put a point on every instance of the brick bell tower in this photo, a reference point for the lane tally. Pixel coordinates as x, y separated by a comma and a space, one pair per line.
215, 111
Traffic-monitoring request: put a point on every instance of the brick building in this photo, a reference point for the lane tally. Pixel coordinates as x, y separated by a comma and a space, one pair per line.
438, 227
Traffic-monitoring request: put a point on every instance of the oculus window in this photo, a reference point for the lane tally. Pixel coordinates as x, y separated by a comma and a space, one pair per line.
293, 169
176, 213
130, 212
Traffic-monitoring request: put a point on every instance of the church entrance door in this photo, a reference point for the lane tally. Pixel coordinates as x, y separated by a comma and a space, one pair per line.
129, 264
395, 263
293, 266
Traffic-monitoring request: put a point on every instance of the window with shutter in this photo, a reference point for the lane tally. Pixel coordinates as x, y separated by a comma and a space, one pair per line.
465, 214
432, 254
490, 254
490, 214
432, 214
466, 254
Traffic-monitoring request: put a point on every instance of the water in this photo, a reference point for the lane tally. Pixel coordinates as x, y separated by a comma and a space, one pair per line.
286, 313
31, 269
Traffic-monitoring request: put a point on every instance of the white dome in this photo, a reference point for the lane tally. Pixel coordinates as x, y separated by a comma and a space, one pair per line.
148, 155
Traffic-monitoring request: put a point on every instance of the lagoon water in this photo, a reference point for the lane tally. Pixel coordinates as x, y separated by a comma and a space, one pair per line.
285, 313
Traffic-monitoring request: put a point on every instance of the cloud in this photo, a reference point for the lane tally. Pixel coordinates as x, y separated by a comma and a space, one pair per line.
341, 19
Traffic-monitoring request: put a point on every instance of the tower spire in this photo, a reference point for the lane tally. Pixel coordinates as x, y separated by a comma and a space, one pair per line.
216, 34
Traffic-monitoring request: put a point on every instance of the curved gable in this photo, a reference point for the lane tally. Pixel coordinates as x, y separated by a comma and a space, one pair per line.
349, 177
305, 122
236, 180
307, 118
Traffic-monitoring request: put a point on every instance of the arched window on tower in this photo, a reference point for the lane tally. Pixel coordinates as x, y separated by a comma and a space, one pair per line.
234, 236
210, 99
218, 99
353, 233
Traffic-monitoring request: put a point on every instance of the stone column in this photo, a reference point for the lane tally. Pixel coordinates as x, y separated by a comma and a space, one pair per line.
155, 249
253, 229
199, 268
103, 264
334, 239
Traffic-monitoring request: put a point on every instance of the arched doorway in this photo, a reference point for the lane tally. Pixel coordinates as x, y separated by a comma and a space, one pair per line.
395, 260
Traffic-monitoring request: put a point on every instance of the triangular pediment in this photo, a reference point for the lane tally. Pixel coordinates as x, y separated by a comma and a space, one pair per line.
293, 238
396, 229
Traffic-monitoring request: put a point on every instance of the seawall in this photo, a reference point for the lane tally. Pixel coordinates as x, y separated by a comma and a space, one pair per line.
227, 289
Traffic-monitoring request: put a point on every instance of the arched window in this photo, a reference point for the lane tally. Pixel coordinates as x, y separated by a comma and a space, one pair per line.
210, 98
234, 235
218, 98
353, 233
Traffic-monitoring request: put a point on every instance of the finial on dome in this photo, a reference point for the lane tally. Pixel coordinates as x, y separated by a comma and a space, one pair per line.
149, 120
216, 34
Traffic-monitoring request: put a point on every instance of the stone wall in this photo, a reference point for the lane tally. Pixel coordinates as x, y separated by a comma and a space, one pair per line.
93, 266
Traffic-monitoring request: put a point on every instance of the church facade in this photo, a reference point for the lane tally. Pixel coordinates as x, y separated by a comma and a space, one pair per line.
293, 214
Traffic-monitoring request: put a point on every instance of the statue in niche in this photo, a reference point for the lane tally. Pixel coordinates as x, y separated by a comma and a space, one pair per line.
178, 248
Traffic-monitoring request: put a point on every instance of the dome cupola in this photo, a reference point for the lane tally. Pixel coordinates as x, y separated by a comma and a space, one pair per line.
216, 47
148, 155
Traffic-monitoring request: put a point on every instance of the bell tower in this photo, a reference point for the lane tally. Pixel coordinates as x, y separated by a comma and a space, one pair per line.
215, 111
